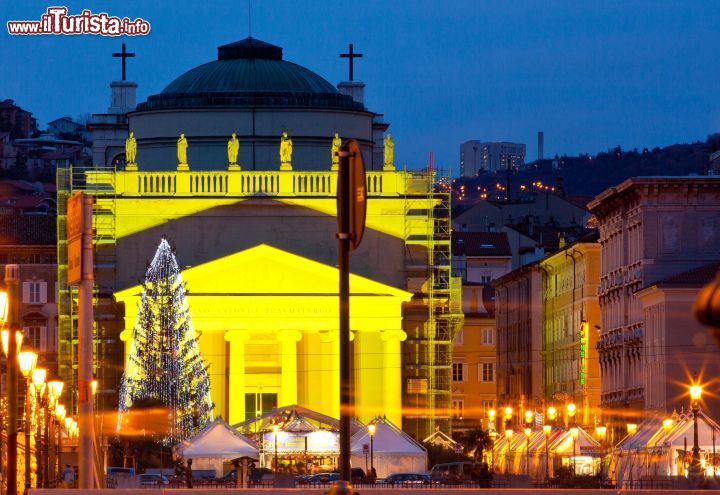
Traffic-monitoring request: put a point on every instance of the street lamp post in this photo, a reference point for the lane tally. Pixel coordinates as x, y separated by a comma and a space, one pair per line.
54, 390
508, 417
547, 429
60, 416
695, 394
27, 361
276, 429
371, 432
492, 434
38, 380
11, 340
574, 431
508, 436
571, 409
528, 432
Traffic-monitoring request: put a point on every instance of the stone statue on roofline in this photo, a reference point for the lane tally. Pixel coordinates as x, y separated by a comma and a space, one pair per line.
182, 146
388, 163
285, 152
130, 152
336, 143
233, 148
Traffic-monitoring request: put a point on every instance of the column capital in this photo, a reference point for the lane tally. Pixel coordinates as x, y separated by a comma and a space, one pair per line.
389, 335
237, 336
289, 335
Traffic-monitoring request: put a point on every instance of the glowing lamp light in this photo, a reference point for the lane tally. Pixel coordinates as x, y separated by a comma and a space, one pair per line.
601, 432
574, 432
528, 432
491, 414
68, 423
6, 340
27, 360
509, 434
276, 429
547, 429
508, 412
528, 416
3, 307
571, 409
94, 386
552, 413
695, 392
60, 412
371, 429
55, 388
667, 423
38, 379
631, 428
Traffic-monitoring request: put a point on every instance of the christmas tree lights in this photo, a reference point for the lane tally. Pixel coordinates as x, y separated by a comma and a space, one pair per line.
164, 363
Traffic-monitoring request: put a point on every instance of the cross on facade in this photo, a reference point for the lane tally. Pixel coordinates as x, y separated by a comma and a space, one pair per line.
350, 56
124, 54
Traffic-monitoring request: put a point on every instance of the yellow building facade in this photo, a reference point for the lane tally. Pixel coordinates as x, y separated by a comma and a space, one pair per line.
571, 370
257, 252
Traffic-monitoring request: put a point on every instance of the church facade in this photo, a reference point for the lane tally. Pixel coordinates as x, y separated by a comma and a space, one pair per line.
256, 243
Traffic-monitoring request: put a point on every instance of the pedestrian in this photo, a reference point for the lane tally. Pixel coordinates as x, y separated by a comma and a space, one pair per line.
188, 474
68, 476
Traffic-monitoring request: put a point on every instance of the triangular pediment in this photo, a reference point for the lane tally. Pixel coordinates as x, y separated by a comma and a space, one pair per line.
267, 270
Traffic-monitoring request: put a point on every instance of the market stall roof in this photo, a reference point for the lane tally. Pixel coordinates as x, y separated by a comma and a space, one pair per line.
584, 444
217, 440
642, 436
388, 439
293, 416
443, 440
682, 428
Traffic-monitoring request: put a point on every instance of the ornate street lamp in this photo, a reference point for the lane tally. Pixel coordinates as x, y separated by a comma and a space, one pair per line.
27, 361
695, 394
508, 435
38, 381
371, 432
552, 414
547, 429
574, 431
492, 434
60, 412
528, 432
276, 430
6, 339
667, 424
571, 410
508, 416
601, 433
631, 428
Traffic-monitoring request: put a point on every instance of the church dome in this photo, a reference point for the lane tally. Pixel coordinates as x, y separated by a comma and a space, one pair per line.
250, 73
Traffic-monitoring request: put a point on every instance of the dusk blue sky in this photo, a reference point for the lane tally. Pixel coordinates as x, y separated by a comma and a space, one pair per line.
591, 75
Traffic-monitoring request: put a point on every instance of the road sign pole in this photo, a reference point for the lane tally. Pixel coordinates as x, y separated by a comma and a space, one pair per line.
344, 291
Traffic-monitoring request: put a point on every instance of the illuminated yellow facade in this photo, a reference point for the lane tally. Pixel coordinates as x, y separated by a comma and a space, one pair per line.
258, 252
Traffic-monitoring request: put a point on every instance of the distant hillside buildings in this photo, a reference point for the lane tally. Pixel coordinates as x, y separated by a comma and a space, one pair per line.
477, 157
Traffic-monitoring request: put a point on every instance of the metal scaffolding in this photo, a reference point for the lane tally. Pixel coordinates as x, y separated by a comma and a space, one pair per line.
437, 305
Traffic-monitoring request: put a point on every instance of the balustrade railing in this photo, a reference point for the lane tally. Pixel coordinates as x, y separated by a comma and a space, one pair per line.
249, 183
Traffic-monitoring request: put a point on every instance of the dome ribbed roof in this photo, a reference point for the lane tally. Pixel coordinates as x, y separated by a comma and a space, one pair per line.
252, 73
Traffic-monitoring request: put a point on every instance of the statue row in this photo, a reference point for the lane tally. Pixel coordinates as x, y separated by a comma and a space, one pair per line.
233, 148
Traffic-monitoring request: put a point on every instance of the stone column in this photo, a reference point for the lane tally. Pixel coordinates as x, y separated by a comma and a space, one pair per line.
330, 366
236, 375
289, 381
392, 371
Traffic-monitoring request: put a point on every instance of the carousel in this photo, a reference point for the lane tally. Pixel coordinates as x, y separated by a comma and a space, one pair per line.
296, 440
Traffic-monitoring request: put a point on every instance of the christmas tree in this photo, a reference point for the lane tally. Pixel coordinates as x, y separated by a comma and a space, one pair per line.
164, 365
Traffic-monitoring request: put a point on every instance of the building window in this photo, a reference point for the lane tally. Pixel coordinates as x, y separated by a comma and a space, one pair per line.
487, 336
34, 292
487, 372
487, 405
459, 337
458, 372
485, 279
34, 337
458, 405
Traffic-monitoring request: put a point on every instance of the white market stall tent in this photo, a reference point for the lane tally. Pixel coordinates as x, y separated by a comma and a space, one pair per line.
658, 449
214, 445
394, 451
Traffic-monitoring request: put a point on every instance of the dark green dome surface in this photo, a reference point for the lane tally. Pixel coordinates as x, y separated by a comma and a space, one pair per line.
250, 73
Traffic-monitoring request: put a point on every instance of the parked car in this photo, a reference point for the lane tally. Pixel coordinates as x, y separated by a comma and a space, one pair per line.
452, 472
153, 480
322, 478
406, 479
120, 471
256, 475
